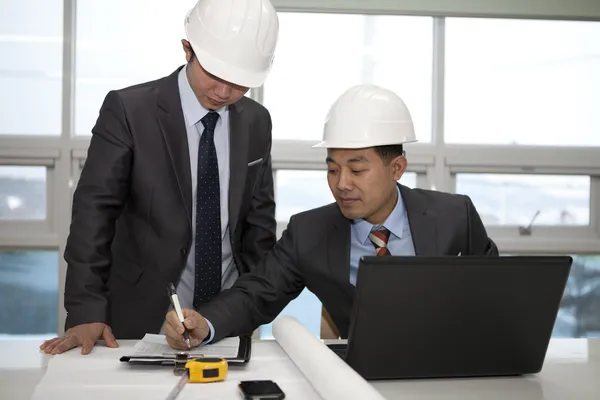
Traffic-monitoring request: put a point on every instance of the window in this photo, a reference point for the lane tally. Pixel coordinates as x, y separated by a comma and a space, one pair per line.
301, 190
319, 56
515, 199
144, 36
31, 74
579, 314
22, 193
522, 82
28, 293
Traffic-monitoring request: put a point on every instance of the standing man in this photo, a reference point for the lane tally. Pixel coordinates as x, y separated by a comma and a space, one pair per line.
177, 185
373, 215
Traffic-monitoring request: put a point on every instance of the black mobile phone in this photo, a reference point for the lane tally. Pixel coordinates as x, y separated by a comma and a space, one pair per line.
259, 390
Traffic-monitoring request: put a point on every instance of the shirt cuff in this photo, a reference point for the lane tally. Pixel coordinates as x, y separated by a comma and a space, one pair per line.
211, 335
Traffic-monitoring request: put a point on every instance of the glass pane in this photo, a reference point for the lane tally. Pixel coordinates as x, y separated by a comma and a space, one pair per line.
522, 82
22, 193
579, 314
297, 191
300, 190
409, 179
515, 199
144, 36
31, 73
28, 293
314, 66
306, 308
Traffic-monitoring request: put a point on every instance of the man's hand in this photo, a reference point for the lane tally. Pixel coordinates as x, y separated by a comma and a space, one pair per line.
194, 322
84, 335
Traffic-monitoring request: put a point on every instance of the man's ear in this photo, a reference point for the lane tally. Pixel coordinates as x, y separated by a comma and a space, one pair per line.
187, 48
398, 166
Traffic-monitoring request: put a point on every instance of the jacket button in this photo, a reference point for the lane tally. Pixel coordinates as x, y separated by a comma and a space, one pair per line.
184, 252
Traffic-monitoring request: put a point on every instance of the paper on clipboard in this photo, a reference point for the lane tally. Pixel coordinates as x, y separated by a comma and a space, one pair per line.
153, 345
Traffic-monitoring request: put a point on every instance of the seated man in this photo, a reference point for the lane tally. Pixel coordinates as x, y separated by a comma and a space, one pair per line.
373, 215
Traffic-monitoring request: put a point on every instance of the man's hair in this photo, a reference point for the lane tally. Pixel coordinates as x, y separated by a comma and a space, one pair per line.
389, 152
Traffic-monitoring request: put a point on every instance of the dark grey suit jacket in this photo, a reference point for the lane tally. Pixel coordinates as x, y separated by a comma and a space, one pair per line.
132, 224
314, 252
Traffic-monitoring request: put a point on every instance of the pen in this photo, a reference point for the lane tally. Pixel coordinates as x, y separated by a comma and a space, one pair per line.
175, 303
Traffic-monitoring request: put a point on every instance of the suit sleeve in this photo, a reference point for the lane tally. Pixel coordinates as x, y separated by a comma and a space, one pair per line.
479, 243
97, 203
260, 226
258, 296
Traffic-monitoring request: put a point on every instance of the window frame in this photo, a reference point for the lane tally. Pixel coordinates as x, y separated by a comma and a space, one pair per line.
15, 152
574, 10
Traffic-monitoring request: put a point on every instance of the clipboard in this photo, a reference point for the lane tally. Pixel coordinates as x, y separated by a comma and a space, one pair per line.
176, 357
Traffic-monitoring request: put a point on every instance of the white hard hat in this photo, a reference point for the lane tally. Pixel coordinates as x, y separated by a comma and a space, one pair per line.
234, 40
367, 116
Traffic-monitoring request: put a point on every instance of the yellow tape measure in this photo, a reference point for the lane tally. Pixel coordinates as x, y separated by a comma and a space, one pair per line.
201, 370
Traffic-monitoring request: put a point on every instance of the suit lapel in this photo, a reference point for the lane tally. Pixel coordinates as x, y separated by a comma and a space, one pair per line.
338, 252
238, 161
422, 226
172, 126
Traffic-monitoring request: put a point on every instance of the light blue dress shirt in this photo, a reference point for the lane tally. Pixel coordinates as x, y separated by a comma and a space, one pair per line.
400, 242
193, 112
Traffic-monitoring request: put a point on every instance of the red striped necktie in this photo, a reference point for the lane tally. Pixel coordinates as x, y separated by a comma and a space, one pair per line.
379, 238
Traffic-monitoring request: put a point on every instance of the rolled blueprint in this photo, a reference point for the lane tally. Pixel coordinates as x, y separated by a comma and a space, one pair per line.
329, 375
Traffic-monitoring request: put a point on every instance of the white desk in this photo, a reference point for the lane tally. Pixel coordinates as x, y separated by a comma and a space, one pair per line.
571, 371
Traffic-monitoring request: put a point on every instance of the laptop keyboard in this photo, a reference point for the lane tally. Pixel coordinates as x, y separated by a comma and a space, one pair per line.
339, 349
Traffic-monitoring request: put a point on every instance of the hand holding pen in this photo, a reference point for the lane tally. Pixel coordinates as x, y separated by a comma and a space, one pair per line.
177, 307
185, 328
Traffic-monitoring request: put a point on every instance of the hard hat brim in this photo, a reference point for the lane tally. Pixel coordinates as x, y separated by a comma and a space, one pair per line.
358, 145
228, 72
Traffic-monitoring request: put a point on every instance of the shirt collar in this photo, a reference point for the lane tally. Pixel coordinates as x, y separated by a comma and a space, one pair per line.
394, 222
193, 111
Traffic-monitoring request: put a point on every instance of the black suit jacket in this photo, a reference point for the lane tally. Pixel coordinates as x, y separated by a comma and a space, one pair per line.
131, 223
314, 252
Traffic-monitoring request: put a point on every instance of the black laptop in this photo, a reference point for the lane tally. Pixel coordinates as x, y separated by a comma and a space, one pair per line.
441, 317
